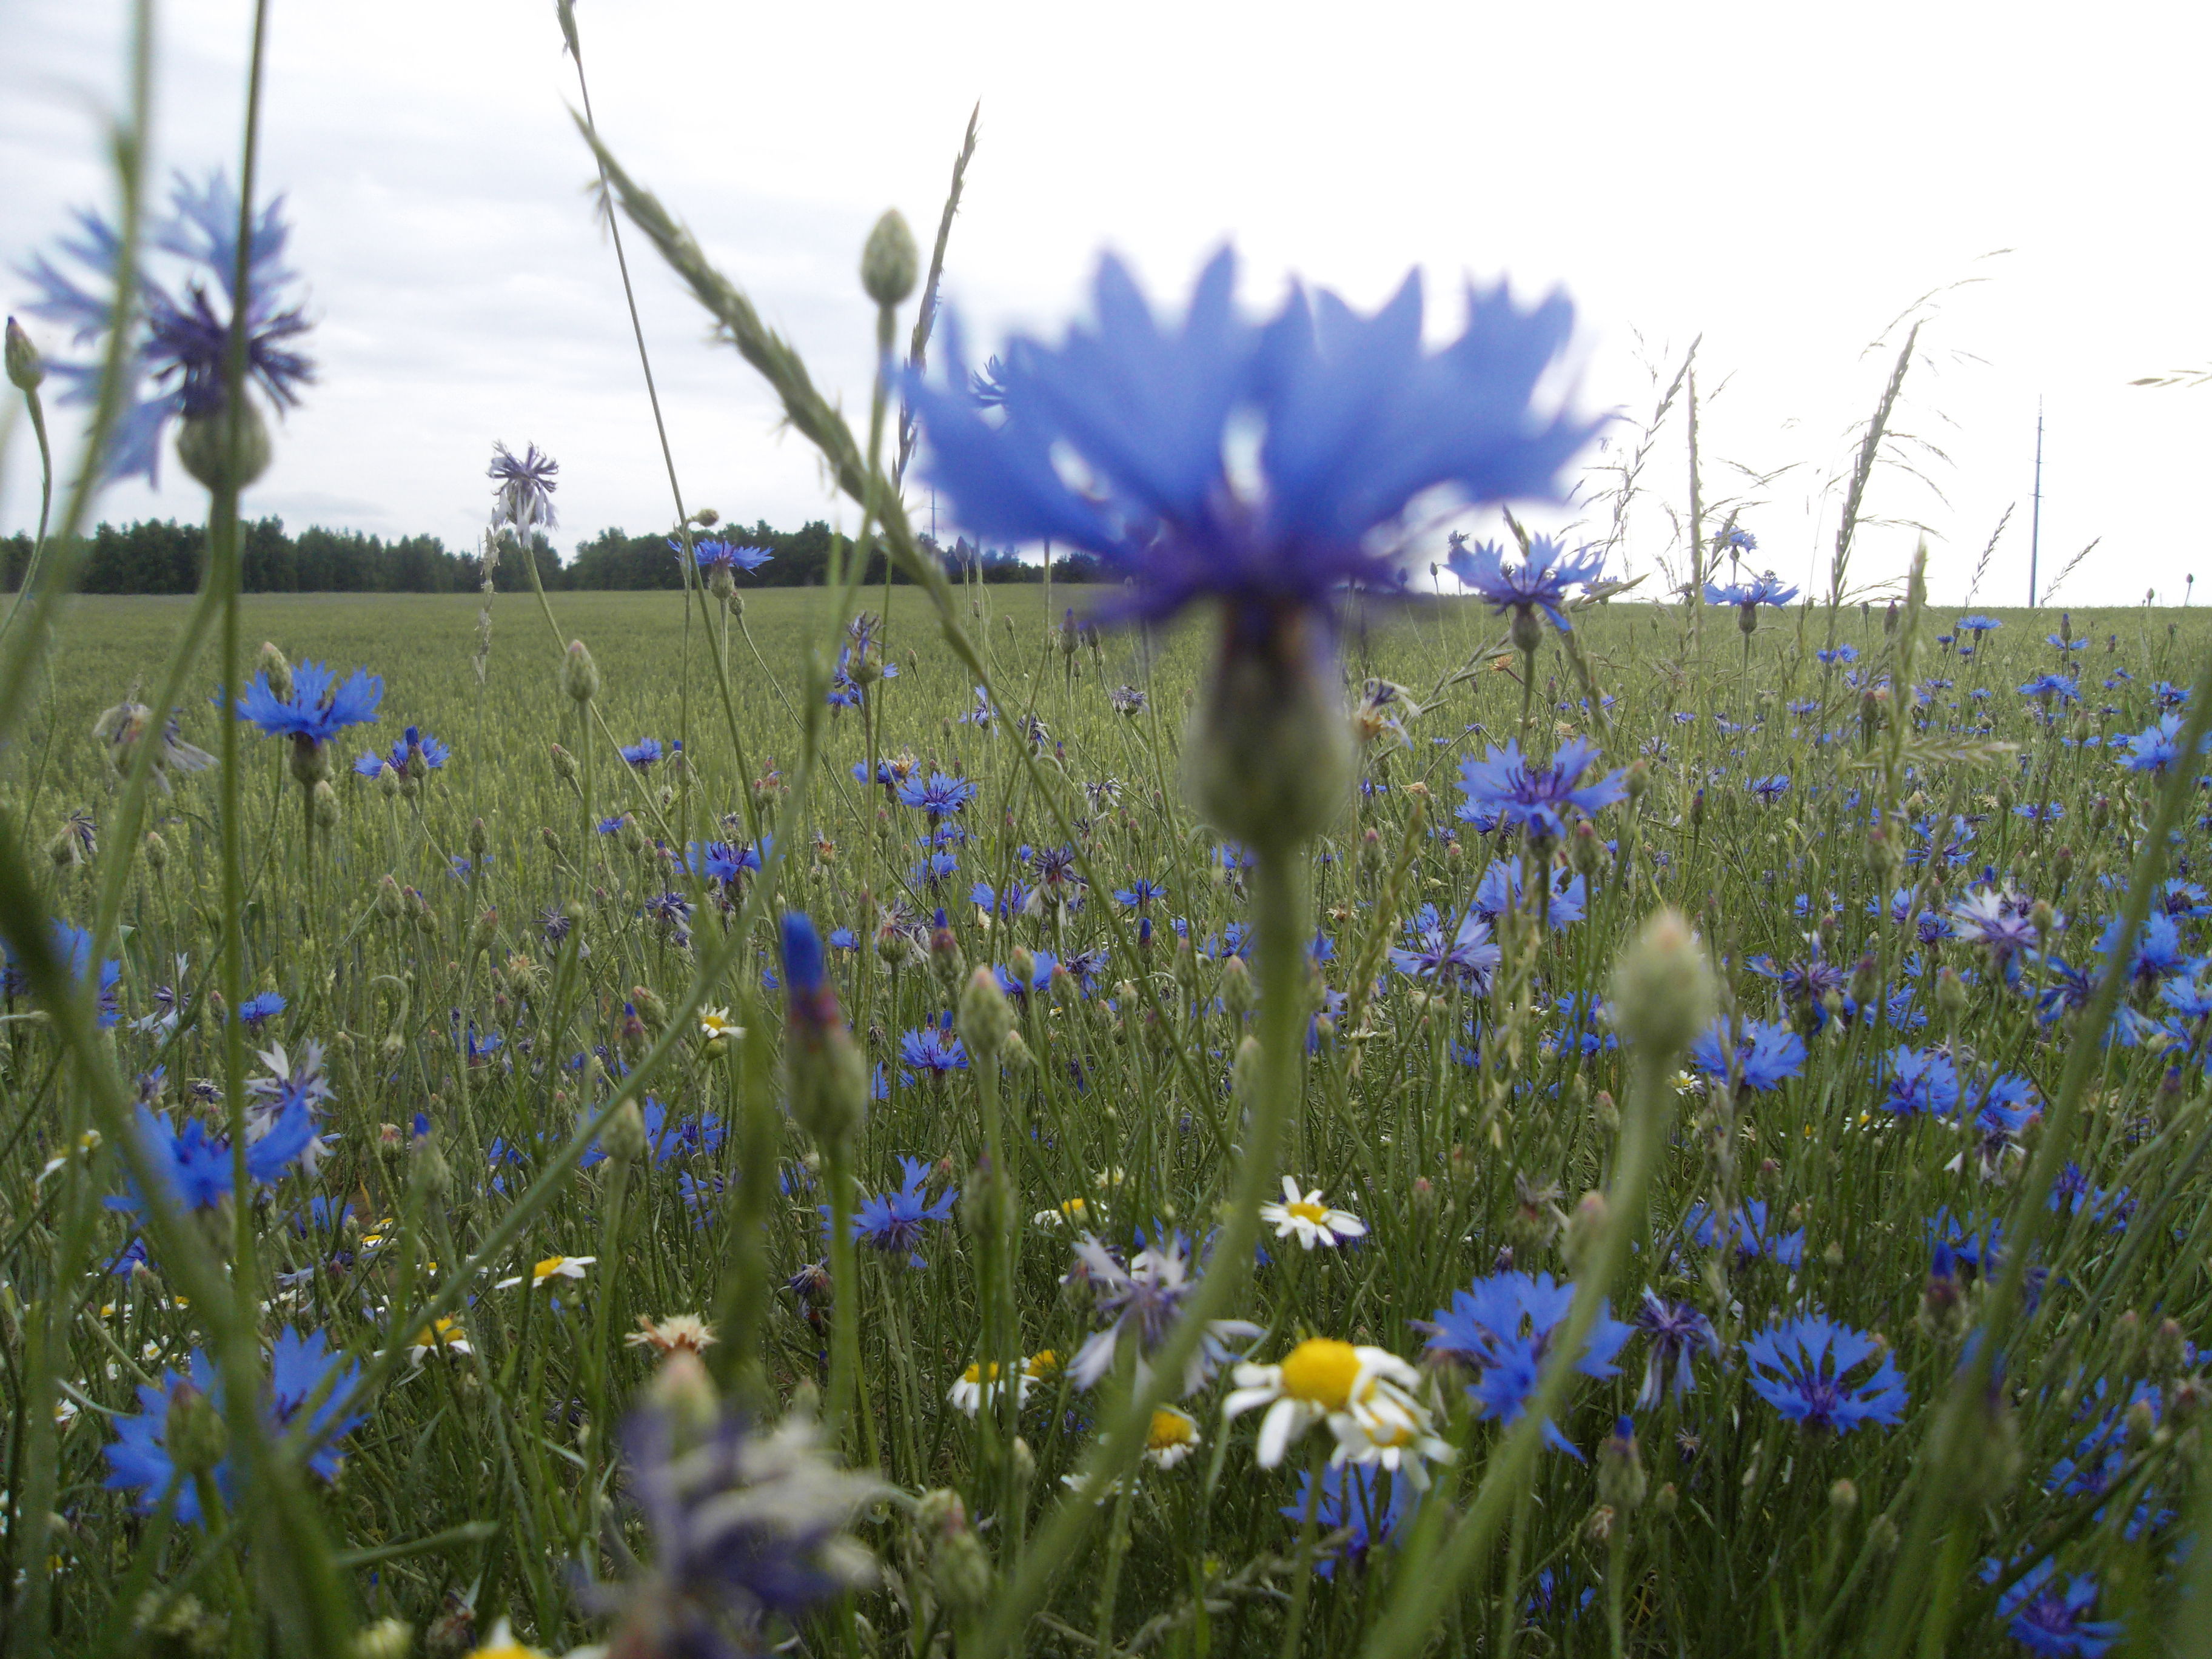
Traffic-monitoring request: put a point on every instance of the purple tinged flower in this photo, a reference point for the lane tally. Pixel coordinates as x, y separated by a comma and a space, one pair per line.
319, 706
1465, 955
1997, 919
937, 795
1501, 1329
744, 1527
1802, 1369
526, 486
1143, 1302
934, 1049
1761, 1057
1770, 789
712, 556
1677, 1333
183, 344
641, 754
1921, 1083
1356, 418
414, 743
1537, 583
2157, 747
1541, 799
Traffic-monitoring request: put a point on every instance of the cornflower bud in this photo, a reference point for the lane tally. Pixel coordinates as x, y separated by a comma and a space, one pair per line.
649, 1005
2168, 1348
624, 1138
1244, 1072
26, 369
889, 262
389, 783
387, 1639
1843, 1498
1584, 1226
157, 851
479, 839
483, 931
986, 1019
273, 663
1588, 851
1239, 994
311, 761
1638, 781
564, 764
1016, 1056
1620, 1478
579, 675
1666, 1500
1950, 994
324, 800
826, 1078
193, 1431
203, 447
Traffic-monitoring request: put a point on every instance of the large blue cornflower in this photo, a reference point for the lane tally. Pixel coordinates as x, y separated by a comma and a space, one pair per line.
2157, 747
1537, 583
181, 341
1355, 420
319, 707
194, 1168
1978, 625
1542, 799
1465, 955
1802, 1369
2046, 1617
1501, 1329
1762, 1058
641, 754
303, 1373
892, 1222
1499, 891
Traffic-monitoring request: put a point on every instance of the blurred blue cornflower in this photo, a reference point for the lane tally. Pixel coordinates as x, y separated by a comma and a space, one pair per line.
1762, 1058
2047, 1618
934, 1048
1355, 420
413, 743
712, 556
1501, 1327
642, 753
1922, 1082
2157, 747
180, 344
1463, 954
2064, 688
526, 489
1748, 1234
892, 1222
1139, 893
1768, 589
1499, 891
1770, 789
1978, 625
1143, 1301
1803, 1366
1676, 1333
1352, 1500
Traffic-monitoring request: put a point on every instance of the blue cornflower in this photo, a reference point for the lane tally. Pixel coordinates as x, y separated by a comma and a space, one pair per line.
1735, 541
257, 1011
526, 489
2063, 687
937, 795
1922, 1082
1543, 799
1356, 421
1747, 596
301, 1370
1677, 1334
318, 709
1143, 1302
712, 556
1762, 1058
73, 947
2046, 1618
2000, 920
1352, 1500
642, 753
1139, 893
892, 1222
666, 1139
1016, 988
1499, 891
1842, 654
1770, 789
1501, 1327
1978, 625
182, 346
1016, 901
415, 743
1747, 1233
2157, 747
194, 1167
1538, 582
934, 1049
722, 861
1465, 955
1801, 1367
2157, 952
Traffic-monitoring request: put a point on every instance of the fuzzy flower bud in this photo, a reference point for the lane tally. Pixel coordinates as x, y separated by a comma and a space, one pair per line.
889, 262
1269, 756
1620, 1479
624, 1137
203, 446
1240, 994
157, 851
579, 675
324, 803
193, 1430
25, 368
564, 764
1663, 988
987, 1019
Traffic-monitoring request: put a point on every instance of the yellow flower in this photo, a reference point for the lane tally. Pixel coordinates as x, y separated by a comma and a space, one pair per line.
501, 1644
1174, 1436
715, 1024
443, 1335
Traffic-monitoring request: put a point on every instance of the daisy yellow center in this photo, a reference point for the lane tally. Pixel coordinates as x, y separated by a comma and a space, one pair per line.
1073, 1208
1299, 1210
1170, 1429
1320, 1372
977, 1372
545, 1269
1043, 1363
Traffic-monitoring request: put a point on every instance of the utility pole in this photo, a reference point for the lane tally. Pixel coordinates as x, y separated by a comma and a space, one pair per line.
2035, 513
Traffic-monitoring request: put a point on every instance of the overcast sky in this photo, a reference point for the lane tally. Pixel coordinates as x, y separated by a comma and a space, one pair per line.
1784, 180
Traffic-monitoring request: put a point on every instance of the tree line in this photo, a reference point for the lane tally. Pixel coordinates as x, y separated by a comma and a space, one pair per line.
156, 556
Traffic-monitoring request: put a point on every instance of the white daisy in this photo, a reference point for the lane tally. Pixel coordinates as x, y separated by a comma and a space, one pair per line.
1174, 1436
979, 1384
554, 1266
1309, 1220
1366, 1396
439, 1336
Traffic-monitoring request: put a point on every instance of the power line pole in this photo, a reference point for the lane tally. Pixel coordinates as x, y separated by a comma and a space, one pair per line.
2035, 515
